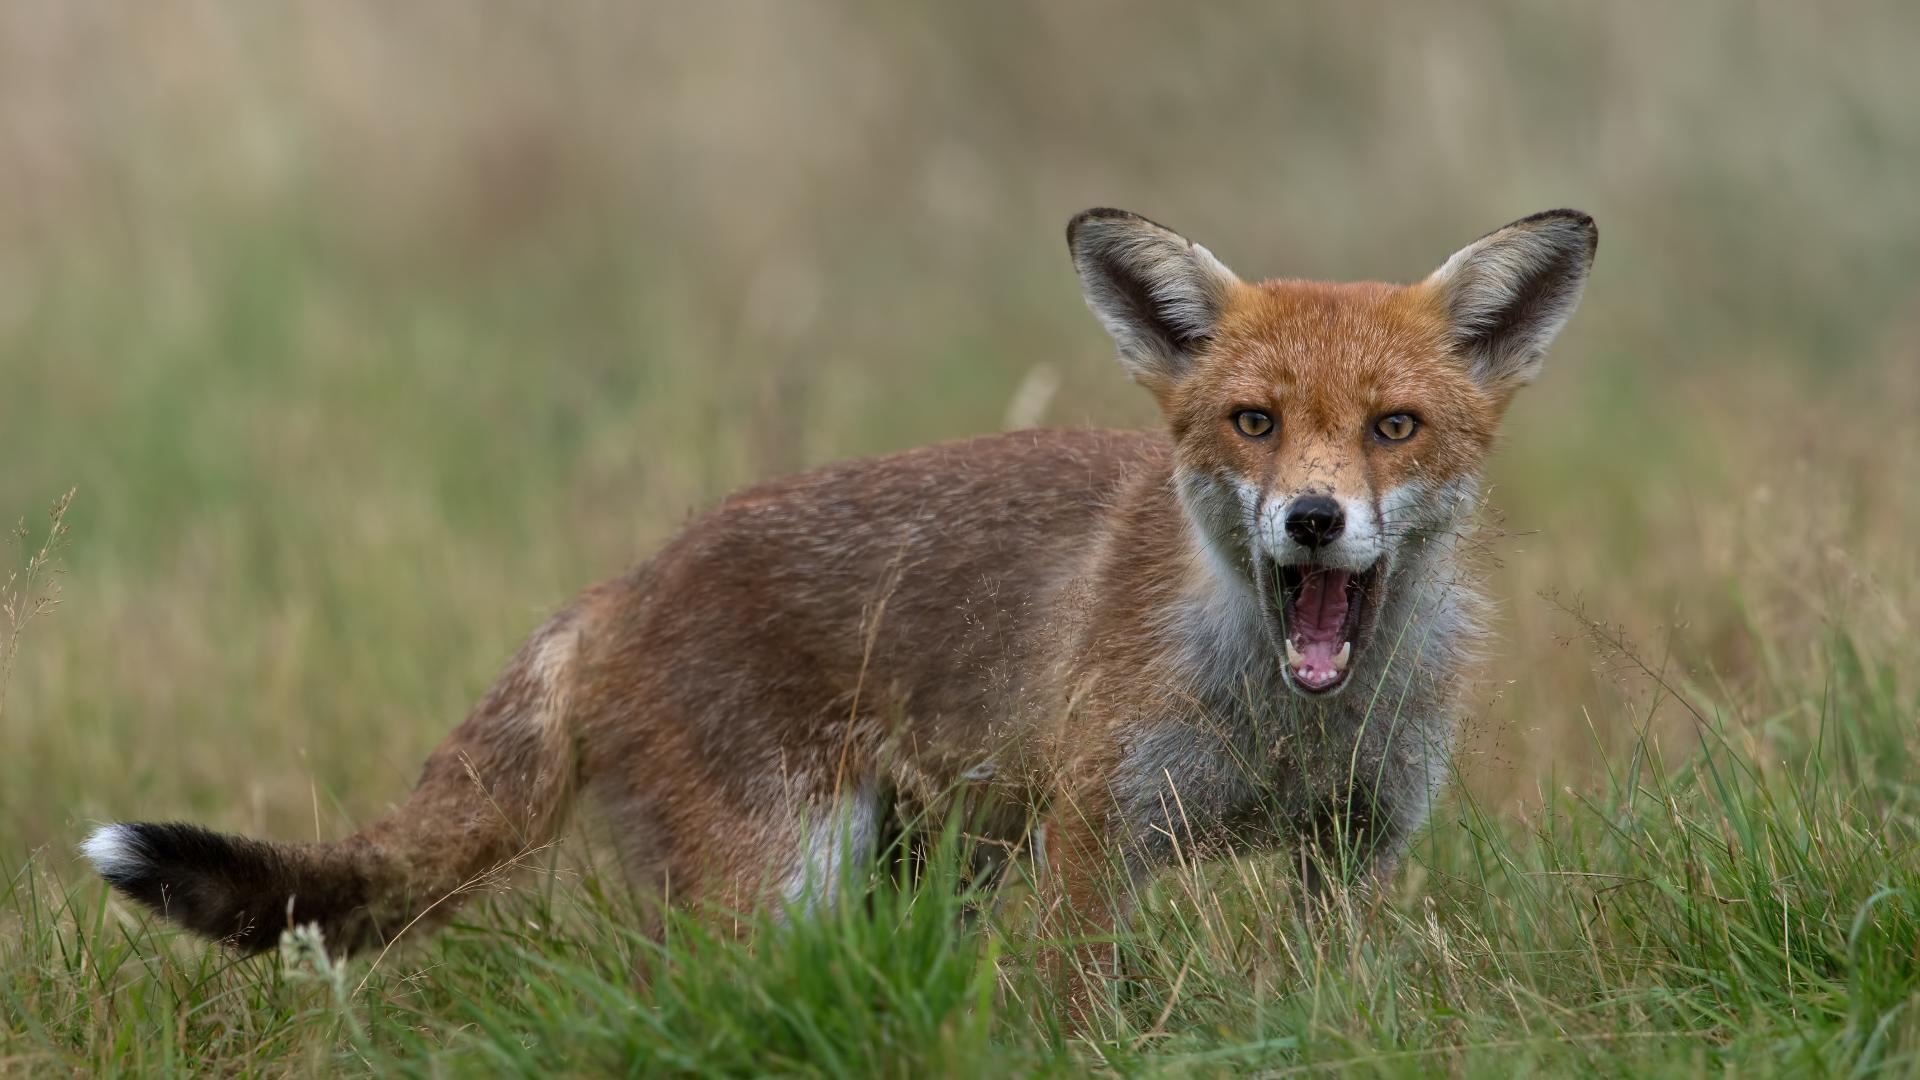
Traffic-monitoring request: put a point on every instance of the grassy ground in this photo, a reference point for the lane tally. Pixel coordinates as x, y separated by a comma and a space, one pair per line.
367, 335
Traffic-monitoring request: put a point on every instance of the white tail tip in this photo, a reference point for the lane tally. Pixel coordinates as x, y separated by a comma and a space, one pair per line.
114, 851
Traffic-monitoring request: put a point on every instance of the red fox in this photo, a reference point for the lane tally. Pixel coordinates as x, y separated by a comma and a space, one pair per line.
1249, 631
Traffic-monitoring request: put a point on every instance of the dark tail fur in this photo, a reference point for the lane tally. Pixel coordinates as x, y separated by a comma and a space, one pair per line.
497, 789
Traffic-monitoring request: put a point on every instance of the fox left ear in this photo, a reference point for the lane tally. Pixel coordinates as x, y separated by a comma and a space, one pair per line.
1508, 293
1159, 294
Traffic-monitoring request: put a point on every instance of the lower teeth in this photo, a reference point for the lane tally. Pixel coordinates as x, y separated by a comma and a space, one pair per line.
1340, 659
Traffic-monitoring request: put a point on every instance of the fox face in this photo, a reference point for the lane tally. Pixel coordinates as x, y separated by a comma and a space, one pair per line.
1326, 435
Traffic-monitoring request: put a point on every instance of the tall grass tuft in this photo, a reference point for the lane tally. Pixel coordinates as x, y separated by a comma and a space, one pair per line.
32, 589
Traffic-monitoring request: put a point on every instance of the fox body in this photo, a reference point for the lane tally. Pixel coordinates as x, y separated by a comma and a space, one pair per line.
1250, 630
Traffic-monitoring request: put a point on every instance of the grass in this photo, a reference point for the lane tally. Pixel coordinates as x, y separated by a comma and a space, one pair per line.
369, 334
1749, 901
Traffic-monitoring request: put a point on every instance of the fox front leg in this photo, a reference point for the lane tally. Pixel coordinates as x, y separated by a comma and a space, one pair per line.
1081, 906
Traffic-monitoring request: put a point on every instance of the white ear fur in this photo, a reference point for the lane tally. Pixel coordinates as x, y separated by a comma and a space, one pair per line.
1509, 292
1158, 294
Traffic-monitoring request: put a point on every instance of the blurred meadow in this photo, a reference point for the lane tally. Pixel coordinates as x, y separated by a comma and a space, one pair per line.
369, 333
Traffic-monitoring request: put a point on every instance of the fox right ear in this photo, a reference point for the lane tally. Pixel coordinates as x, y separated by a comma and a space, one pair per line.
1159, 294
1508, 293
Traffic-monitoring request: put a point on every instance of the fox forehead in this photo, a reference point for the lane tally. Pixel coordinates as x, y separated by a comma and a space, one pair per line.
1331, 345
1328, 359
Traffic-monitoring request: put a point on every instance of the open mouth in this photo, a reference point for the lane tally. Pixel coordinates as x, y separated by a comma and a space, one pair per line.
1323, 616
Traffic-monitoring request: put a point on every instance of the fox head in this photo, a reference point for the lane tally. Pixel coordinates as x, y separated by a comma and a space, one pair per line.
1324, 433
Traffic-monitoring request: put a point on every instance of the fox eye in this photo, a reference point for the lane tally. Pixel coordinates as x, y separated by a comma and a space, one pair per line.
1396, 428
1253, 423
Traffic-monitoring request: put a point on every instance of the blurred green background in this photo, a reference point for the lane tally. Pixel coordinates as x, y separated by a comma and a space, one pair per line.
371, 332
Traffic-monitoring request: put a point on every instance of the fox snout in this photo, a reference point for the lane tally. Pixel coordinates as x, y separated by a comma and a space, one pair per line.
1315, 520
1321, 564
1316, 528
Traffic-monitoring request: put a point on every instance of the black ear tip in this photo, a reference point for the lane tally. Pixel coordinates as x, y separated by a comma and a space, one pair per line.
1573, 220
1098, 213
1570, 216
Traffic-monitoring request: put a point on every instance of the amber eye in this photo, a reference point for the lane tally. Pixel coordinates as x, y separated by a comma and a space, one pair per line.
1396, 428
1253, 423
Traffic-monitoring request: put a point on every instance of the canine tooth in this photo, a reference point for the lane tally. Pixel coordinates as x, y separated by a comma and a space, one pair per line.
1293, 655
1345, 654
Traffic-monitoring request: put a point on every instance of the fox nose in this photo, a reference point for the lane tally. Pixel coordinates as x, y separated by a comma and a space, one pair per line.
1315, 520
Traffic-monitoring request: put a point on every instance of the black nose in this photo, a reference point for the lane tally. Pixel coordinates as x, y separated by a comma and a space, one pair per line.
1315, 520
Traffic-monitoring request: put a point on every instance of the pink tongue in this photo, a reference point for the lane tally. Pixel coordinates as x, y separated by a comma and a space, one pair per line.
1317, 615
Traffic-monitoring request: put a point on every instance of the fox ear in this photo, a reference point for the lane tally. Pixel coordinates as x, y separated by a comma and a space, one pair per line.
1508, 293
1159, 294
